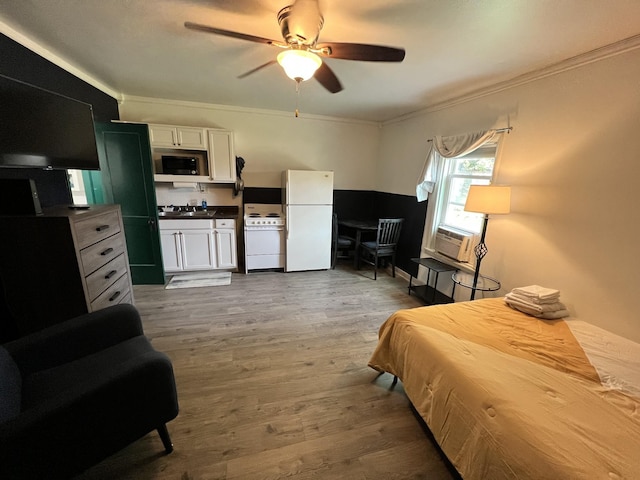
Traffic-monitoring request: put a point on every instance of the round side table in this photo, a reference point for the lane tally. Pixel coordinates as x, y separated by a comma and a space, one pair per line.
484, 284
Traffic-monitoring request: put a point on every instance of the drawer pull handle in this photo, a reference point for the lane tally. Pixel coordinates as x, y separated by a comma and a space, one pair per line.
110, 274
114, 296
107, 251
102, 228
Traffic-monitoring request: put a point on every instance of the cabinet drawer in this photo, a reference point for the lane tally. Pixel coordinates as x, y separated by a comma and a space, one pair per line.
225, 223
127, 299
199, 223
97, 228
112, 295
97, 255
100, 280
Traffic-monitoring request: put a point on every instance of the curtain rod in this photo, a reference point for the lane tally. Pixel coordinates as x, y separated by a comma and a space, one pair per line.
498, 130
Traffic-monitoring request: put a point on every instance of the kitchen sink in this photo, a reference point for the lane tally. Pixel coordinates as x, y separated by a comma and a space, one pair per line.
198, 214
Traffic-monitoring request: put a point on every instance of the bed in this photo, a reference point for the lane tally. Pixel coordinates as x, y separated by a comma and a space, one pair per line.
507, 395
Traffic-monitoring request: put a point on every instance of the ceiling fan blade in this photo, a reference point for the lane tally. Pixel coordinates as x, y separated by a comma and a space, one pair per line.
359, 51
327, 78
246, 74
229, 33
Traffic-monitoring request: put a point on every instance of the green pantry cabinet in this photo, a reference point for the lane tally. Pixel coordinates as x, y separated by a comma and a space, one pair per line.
126, 171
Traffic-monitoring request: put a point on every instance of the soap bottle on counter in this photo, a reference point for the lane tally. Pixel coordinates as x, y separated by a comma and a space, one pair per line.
204, 204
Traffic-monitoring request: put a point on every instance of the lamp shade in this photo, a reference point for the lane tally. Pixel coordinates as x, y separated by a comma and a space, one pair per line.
488, 199
299, 64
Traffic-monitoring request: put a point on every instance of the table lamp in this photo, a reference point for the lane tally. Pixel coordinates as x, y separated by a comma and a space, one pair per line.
489, 200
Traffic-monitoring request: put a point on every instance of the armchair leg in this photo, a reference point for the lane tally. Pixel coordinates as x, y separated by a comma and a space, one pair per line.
166, 439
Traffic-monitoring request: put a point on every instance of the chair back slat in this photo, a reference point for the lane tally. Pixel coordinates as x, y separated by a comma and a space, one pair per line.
389, 231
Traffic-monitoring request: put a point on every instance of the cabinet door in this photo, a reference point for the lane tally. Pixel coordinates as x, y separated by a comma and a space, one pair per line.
170, 136
171, 250
127, 176
193, 138
226, 248
222, 160
197, 250
162, 136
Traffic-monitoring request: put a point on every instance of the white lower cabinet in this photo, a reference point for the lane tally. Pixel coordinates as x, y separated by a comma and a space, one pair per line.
226, 248
189, 245
197, 250
171, 250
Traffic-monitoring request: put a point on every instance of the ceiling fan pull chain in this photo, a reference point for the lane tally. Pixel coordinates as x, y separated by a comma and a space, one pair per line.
297, 112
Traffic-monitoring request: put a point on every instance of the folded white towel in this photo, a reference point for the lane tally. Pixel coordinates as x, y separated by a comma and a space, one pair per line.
546, 315
554, 315
538, 294
535, 307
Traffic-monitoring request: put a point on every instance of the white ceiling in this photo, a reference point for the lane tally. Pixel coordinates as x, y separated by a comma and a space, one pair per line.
453, 47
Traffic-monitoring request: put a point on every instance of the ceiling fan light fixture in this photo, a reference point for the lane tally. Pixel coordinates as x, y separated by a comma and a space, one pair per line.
299, 65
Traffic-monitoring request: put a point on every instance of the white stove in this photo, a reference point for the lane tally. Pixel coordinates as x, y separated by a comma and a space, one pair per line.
264, 237
262, 214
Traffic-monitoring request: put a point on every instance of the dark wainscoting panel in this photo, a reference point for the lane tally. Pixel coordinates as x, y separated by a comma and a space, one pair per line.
20, 63
390, 205
363, 205
354, 204
261, 195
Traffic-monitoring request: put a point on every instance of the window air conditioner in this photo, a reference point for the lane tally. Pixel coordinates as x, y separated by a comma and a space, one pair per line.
453, 243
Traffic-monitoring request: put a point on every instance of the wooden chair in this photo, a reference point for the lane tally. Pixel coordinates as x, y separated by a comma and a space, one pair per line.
384, 246
341, 246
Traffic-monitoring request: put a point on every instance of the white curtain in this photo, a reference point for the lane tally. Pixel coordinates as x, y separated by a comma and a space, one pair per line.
447, 147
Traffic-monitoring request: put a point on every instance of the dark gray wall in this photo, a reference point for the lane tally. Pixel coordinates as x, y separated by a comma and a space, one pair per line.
22, 64
366, 205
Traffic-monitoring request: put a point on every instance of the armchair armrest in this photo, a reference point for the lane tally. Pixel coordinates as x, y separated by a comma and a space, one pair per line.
75, 338
139, 394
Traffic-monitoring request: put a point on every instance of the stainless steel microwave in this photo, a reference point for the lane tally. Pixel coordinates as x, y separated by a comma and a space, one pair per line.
175, 165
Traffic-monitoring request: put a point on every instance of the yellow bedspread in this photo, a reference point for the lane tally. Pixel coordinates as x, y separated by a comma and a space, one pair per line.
507, 395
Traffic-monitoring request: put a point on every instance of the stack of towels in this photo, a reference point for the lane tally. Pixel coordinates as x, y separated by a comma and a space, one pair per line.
538, 301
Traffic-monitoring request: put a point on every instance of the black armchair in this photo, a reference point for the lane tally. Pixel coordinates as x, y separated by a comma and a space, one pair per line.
79, 391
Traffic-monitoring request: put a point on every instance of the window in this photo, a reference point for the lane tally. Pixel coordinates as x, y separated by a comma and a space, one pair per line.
476, 168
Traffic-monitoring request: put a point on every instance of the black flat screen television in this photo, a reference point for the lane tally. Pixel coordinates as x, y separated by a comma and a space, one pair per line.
42, 129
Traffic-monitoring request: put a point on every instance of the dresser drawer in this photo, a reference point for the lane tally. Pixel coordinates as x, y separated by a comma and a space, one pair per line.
99, 280
97, 255
96, 228
112, 295
127, 299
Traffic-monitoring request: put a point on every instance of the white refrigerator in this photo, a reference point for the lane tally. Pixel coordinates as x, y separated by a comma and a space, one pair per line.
307, 198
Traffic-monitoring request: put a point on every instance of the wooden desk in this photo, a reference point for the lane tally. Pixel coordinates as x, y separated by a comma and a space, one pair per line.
358, 226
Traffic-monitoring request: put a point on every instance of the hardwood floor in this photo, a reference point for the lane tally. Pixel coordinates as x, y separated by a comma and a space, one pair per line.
273, 382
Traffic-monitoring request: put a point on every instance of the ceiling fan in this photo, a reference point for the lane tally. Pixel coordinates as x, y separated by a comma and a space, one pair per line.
300, 24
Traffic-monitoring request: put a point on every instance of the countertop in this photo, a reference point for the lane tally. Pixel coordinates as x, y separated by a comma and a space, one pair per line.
222, 212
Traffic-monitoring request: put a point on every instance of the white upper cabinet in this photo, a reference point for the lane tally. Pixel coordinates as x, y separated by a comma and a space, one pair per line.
222, 159
169, 136
212, 148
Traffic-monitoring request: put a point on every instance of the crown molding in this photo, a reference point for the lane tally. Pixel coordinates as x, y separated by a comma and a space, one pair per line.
244, 110
592, 56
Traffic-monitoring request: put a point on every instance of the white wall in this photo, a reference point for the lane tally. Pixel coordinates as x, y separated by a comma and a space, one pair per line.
271, 141
573, 161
